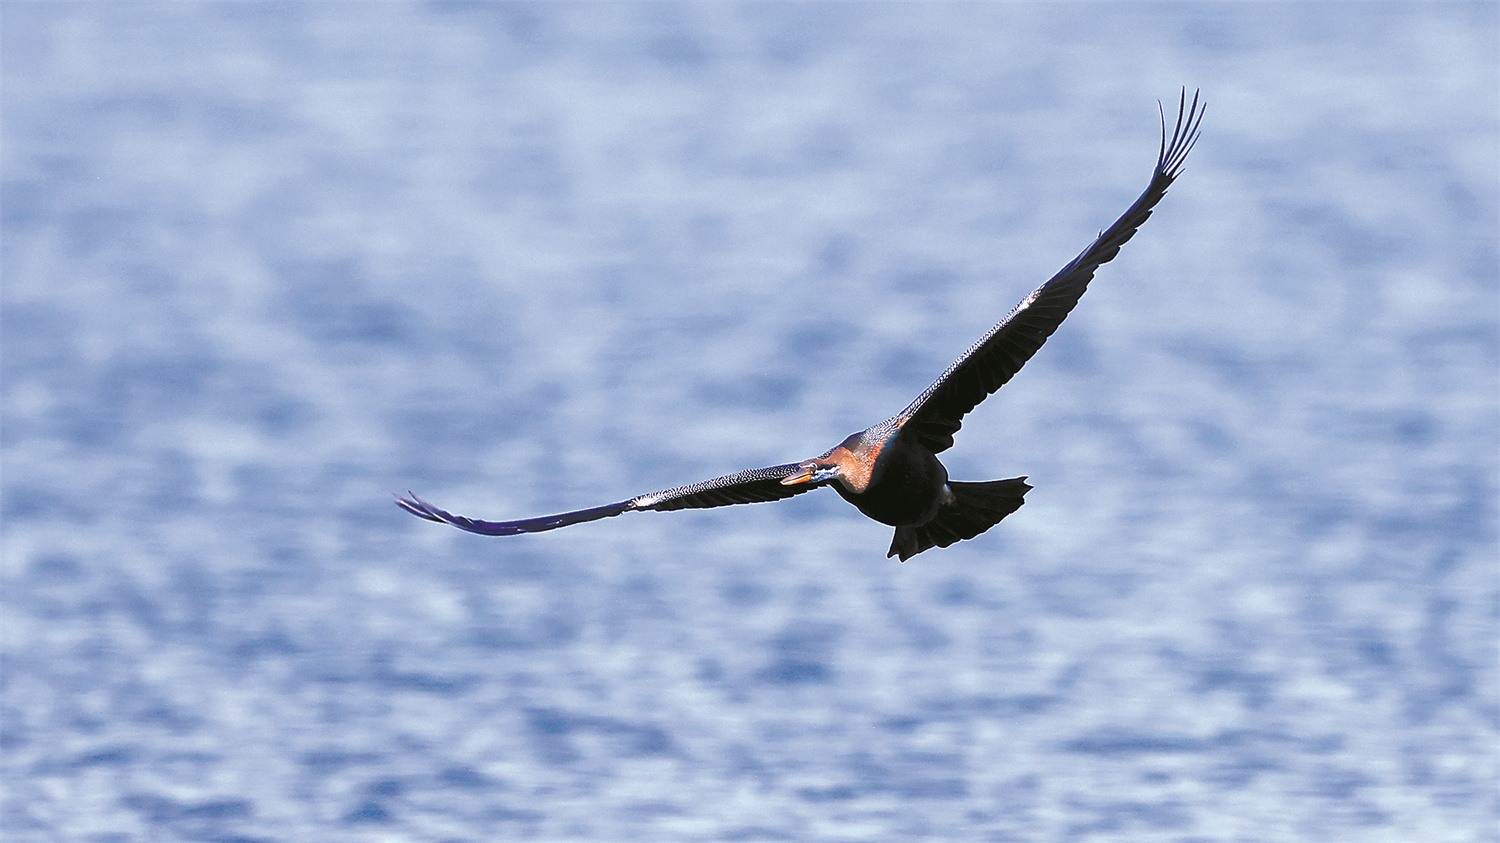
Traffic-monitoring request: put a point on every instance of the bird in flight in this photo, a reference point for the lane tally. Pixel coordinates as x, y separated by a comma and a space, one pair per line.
891, 471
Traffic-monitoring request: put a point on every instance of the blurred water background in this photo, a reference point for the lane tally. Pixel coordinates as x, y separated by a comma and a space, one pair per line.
265, 264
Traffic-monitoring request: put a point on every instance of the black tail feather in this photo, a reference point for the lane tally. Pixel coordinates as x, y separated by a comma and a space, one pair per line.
976, 507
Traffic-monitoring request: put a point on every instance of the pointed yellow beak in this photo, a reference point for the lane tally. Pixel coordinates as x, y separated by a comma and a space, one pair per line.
804, 474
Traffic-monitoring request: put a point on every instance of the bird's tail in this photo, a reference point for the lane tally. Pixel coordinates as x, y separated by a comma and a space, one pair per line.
976, 507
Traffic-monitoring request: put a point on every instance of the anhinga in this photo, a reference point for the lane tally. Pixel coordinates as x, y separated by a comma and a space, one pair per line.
891, 471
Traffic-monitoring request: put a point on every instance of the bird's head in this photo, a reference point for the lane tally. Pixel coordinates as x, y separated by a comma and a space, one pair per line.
813, 471
849, 464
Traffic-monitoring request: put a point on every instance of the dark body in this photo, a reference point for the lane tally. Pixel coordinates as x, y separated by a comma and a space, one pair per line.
891, 471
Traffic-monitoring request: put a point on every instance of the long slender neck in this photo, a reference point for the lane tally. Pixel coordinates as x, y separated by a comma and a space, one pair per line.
857, 457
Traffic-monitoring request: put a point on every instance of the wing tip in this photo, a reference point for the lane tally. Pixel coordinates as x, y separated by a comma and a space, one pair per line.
420, 508
1184, 135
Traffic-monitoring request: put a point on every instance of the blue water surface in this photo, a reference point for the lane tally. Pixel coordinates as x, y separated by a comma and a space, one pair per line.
266, 264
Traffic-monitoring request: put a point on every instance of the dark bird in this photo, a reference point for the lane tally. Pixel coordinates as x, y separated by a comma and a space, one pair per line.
891, 471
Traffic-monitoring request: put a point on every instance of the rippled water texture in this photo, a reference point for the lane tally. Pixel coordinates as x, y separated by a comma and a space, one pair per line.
265, 265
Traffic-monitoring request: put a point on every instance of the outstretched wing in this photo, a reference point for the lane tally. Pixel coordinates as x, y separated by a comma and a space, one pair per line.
422, 509
937, 413
753, 486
